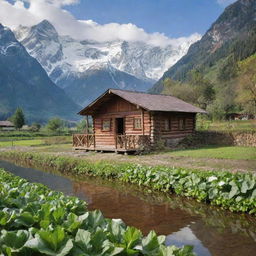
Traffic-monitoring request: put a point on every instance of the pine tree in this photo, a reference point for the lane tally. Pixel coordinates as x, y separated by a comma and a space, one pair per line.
18, 118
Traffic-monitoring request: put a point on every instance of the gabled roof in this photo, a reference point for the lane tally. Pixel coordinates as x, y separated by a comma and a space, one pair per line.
6, 124
150, 102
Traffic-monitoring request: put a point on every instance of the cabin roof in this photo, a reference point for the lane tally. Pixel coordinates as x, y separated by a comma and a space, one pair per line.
150, 102
6, 124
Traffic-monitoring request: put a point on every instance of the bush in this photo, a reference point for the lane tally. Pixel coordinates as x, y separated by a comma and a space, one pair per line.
35, 127
55, 124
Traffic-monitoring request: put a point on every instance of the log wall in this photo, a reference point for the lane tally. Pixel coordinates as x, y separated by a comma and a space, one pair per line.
119, 108
152, 123
174, 130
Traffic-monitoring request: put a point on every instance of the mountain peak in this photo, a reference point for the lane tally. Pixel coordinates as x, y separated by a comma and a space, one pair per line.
44, 29
45, 24
25, 83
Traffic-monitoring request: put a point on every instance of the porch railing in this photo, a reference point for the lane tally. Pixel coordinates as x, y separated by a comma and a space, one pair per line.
122, 142
84, 140
132, 141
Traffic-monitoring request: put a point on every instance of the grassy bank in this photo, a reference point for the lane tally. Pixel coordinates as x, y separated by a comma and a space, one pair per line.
232, 152
228, 126
233, 191
36, 141
37, 221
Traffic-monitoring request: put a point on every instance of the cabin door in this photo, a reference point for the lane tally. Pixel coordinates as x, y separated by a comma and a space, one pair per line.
120, 126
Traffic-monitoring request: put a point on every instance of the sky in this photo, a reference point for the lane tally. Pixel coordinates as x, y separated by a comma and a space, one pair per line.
157, 22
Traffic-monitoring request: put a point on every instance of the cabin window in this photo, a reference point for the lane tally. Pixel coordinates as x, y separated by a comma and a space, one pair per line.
137, 123
167, 124
182, 124
106, 124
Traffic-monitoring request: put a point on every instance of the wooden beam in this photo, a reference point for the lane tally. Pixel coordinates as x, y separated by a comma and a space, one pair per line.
87, 124
142, 121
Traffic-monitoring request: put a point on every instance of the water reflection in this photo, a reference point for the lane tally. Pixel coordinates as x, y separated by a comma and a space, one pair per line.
186, 236
211, 230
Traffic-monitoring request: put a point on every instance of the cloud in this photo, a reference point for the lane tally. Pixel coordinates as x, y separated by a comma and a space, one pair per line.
65, 23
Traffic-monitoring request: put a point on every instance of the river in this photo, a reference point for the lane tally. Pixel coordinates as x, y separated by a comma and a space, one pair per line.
209, 229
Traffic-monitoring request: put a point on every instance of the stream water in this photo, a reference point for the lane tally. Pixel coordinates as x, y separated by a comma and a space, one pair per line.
210, 230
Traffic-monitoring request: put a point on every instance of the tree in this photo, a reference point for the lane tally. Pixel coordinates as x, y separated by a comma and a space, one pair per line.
35, 127
81, 126
246, 85
18, 118
204, 90
55, 124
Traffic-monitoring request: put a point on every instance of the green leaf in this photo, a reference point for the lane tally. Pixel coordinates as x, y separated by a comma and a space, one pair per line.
95, 219
234, 191
51, 242
132, 237
213, 192
254, 193
14, 239
58, 214
83, 239
150, 244
244, 187
25, 219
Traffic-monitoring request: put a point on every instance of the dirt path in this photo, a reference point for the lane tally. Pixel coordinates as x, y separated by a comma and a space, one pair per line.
167, 160
153, 159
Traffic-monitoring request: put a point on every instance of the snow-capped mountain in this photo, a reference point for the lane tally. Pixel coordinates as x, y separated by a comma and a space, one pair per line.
24, 83
81, 67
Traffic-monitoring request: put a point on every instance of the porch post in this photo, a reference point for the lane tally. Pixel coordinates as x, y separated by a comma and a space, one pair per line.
87, 124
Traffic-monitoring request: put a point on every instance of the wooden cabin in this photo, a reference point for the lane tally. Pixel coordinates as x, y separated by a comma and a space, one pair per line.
6, 125
129, 121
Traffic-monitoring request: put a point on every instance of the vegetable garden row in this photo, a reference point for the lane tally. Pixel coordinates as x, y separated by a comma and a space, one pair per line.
37, 221
233, 191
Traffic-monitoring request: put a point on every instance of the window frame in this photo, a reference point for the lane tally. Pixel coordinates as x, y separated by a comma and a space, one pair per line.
102, 125
134, 122
167, 121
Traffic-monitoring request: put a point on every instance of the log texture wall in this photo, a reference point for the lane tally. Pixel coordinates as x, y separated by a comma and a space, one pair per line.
119, 108
170, 127
164, 126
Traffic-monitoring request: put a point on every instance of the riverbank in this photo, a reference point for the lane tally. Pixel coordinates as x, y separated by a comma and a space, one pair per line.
233, 191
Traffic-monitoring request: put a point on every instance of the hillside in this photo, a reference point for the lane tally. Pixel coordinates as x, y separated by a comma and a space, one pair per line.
213, 63
232, 34
25, 84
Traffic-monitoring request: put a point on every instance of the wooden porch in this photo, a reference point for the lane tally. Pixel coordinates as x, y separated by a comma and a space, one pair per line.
121, 143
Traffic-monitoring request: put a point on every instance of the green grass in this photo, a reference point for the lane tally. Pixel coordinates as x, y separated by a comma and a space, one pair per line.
21, 143
30, 134
229, 126
232, 152
26, 141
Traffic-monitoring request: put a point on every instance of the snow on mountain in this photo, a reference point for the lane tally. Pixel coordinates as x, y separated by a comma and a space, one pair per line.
63, 58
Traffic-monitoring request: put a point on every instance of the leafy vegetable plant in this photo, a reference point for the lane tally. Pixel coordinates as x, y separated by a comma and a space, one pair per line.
37, 221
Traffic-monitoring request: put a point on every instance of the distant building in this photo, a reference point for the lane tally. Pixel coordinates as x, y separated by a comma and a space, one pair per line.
127, 121
239, 116
6, 125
